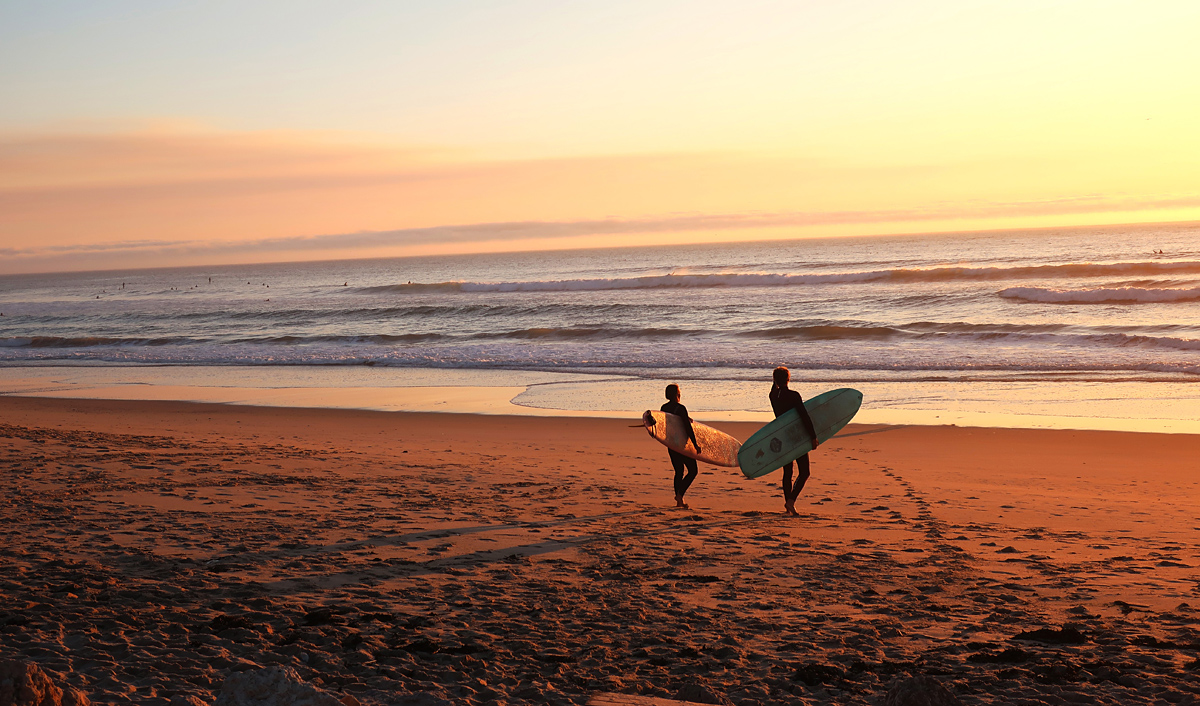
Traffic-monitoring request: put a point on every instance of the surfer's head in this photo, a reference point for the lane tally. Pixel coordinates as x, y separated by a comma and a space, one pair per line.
781, 375
673, 392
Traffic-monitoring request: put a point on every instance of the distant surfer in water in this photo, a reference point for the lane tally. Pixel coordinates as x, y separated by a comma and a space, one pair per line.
783, 399
678, 461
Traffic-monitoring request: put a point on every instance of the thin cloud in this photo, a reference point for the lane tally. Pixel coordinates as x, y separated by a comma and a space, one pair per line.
555, 230
162, 199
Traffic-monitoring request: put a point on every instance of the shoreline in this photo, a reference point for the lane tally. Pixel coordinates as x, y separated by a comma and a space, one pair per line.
433, 558
591, 395
738, 427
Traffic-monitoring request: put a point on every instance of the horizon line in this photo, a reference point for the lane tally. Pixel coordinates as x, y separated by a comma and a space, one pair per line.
567, 248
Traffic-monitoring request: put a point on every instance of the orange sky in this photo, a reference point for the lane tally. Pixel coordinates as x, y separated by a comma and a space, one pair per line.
535, 126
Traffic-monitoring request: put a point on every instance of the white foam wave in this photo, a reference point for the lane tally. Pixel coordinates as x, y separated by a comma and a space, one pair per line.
1179, 344
1102, 295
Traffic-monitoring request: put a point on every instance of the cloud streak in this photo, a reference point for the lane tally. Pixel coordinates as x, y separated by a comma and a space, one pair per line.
477, 233
170, 199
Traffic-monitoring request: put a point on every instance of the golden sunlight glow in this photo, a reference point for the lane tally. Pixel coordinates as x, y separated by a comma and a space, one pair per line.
766, 121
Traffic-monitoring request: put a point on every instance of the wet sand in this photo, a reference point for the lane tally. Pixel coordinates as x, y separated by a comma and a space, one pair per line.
153, 548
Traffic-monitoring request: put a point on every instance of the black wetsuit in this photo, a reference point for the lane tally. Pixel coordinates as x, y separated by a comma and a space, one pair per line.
678, 461
783, 399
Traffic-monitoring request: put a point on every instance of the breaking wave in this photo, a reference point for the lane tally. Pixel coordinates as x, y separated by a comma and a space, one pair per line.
88, 341
862, 333
729, 279
1102, 295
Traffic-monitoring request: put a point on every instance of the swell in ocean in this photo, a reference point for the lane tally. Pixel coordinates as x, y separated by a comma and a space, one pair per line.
832, 332
1028, 306
736, 279
1104, 295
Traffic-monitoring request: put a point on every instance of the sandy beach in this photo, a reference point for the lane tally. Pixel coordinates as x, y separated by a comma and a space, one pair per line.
151, 549
327, 330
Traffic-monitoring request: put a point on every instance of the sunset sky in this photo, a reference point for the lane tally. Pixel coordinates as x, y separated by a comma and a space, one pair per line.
150, 133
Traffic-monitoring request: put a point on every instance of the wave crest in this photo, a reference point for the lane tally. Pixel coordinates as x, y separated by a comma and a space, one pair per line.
88, 341
824, 333
1102, 295
737, 279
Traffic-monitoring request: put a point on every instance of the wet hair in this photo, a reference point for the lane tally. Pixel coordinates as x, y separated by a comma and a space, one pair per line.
672, 391
781, 375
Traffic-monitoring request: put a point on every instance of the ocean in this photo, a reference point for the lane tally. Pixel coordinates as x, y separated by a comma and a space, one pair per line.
1094, 327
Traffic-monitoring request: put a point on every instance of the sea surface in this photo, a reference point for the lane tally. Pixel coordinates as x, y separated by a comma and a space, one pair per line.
1024, 328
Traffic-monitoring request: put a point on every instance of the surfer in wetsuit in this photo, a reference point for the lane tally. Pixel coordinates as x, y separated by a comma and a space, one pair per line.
678, 461
783, 399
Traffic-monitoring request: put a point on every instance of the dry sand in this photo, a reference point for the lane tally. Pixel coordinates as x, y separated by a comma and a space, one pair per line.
151, 548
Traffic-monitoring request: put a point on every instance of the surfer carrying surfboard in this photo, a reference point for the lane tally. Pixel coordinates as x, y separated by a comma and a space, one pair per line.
678, 461
782, 400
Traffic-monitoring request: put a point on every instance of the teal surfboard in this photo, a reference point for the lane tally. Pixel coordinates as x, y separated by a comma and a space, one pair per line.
786, 439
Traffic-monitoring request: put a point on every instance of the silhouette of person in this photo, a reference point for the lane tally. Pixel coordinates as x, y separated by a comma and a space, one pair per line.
782, 400
678, 461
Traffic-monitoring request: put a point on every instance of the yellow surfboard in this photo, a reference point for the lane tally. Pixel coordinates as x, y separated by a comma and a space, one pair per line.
716, 447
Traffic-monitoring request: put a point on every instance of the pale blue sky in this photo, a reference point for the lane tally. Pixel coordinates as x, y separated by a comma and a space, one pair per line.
572, 76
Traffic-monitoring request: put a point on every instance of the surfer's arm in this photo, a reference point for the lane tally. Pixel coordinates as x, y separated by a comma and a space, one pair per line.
808, 424
691, 433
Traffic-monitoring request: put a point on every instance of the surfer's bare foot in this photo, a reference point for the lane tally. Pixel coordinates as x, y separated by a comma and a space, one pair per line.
790, 506
679, 503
